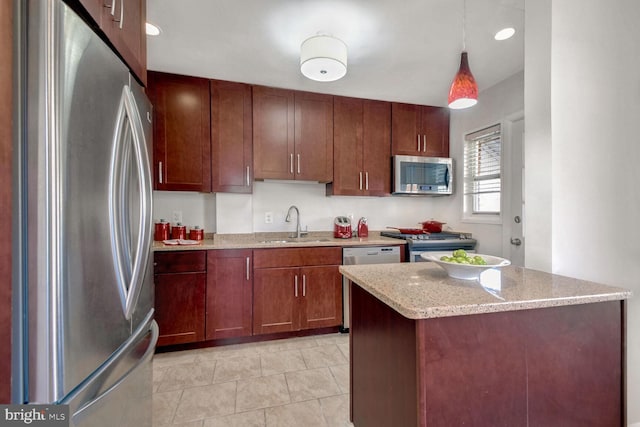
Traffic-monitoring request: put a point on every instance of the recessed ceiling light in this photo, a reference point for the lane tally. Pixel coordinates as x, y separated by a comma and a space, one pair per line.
505, 33
152, 30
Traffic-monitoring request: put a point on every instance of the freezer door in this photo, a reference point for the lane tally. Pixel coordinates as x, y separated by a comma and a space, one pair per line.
120, 392
80, 303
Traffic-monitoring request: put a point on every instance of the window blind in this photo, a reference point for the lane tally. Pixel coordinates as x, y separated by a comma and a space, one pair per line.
482, 166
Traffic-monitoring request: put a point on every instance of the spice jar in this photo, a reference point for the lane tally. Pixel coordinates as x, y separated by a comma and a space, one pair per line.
179, 231
196, 233
161, 231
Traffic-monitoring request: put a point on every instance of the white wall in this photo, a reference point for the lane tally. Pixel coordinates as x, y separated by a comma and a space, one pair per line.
495, 104
589, 142
237, 213
197, 208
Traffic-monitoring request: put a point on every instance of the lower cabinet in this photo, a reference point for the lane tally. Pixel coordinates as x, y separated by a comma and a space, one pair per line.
229, 293
180, 279
296, 288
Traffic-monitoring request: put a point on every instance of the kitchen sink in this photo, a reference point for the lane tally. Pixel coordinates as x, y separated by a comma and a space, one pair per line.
294, 240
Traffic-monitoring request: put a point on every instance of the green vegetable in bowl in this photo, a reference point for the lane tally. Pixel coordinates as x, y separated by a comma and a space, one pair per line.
460, 256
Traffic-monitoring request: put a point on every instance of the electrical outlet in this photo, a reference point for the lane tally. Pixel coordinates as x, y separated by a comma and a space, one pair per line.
177, 216
268, 217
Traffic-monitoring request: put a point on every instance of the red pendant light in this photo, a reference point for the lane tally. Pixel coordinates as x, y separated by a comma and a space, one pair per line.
464, 89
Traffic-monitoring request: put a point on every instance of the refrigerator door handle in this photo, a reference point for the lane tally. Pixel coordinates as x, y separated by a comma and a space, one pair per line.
129, 272
149, 326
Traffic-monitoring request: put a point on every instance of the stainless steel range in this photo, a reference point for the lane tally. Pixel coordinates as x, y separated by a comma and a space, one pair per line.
444, 241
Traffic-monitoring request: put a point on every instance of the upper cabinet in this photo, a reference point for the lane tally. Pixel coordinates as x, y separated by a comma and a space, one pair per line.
231, 137
181, 132
362, 147
420, 130
292, 135
123, 22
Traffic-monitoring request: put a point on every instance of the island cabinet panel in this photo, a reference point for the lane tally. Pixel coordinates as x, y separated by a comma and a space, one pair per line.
296, 288
558, 366
231, 137
181, 132
419, 130
292, 135
362, 147
229, 294
180, 280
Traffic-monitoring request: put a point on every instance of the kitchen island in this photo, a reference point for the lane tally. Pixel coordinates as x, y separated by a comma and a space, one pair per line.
517, 347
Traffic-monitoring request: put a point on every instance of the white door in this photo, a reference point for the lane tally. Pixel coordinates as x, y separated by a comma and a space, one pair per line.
515, 222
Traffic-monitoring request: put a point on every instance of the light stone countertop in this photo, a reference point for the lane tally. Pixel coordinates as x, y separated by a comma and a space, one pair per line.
423, 290
279, 240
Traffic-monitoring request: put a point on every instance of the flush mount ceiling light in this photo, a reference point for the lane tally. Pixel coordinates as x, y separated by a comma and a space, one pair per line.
464, 89
152, 30
323, 58
505, 33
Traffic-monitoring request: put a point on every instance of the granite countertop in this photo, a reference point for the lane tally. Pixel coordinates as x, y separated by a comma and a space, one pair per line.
423, 290
278, 240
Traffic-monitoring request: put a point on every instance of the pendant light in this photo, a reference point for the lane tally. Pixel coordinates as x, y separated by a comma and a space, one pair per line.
464, 89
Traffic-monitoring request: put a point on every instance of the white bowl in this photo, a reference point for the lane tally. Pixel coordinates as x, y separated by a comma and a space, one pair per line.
465, 271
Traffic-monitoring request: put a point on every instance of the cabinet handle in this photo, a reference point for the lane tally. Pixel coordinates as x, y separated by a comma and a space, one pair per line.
418, 142
304, 285
298, 164
121, 13
291, 163
160, 172
424, 143
248, 182
295, 280
366, 180
248, 262
361, 180
110, 6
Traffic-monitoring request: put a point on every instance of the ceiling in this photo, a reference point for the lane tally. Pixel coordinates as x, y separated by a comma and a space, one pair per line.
406, 51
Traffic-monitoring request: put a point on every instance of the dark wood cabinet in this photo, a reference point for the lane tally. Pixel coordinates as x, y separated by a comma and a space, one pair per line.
229, 293
181, 132
296, 288
180, 279
419, 130
123, 22
362, 147
292, 135
231, 137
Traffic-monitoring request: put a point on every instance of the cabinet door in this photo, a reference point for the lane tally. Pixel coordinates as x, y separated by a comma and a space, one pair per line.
229, 294
273, 133
275, 300
181, 132
231, 137
376, 152
313, 137
179, 307
348, 179
321, 297
95, 9
123, 21
405, 129
435, 131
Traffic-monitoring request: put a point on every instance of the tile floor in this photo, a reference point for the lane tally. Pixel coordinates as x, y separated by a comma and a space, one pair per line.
292, 382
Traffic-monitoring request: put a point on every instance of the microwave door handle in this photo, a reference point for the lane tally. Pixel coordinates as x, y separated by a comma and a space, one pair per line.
446, 176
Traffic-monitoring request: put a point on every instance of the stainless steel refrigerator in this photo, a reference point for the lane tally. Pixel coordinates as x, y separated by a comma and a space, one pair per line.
83, 285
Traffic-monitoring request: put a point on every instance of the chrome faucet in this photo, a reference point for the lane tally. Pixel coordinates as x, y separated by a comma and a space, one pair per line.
288, 219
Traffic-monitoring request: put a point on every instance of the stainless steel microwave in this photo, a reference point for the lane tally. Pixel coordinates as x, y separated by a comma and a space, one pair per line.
415, 175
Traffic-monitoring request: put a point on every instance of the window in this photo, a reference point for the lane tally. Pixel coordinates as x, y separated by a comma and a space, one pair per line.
482, 165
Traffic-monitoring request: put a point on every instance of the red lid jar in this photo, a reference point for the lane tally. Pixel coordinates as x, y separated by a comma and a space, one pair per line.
196, 233
161, 231
179, 231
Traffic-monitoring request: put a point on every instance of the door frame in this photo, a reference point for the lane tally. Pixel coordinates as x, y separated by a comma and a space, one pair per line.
507, 187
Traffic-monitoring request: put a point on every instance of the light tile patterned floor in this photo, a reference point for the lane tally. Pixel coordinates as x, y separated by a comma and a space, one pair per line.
292, 382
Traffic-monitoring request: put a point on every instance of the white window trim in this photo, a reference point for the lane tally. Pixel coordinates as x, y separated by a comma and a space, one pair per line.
495, 219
